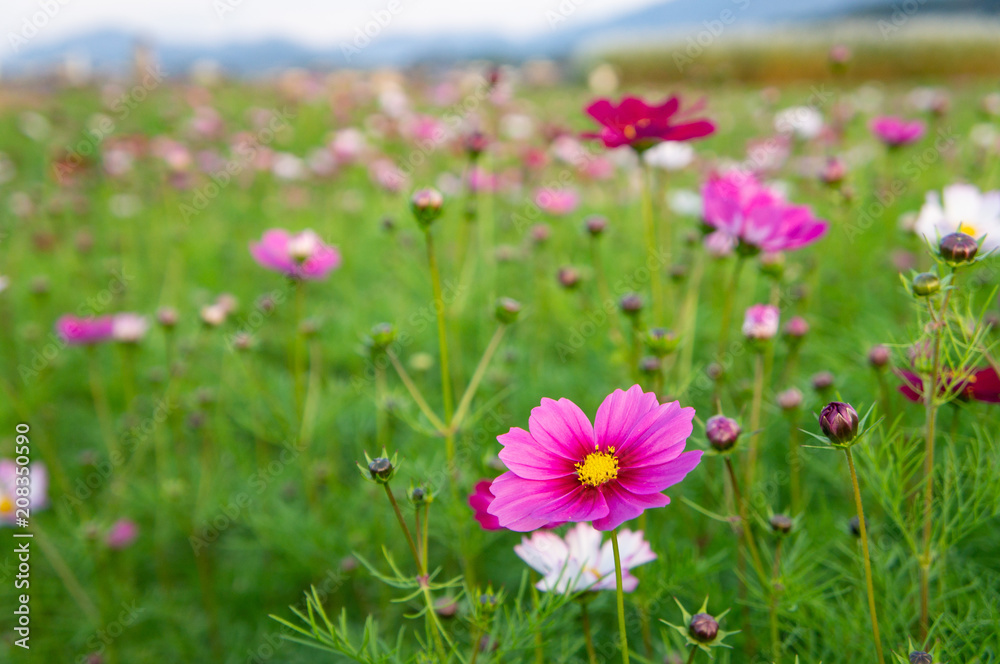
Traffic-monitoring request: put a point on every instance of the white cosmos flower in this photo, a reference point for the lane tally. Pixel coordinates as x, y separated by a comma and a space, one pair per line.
580, 562
965, 209
669, 155
803, 121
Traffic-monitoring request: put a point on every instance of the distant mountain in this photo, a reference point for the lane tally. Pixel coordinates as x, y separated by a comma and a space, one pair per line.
112, 49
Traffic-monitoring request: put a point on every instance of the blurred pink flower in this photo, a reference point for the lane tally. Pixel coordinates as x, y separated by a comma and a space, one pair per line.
761, 322
386, 175
76, 331
759, 218
635, 123
480, 179
38, 498
299, 256
565, 469
895, 132
121, 534
557, 202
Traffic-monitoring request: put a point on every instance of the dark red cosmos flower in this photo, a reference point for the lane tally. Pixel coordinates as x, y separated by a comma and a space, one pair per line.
980, 385
635, 123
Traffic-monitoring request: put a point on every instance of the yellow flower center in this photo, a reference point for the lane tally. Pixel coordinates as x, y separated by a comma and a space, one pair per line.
629, 132
598, 468
6, 504
967, 228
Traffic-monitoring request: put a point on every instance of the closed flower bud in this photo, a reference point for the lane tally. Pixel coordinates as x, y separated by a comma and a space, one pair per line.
540, 233
507, 310
781, 524
790, 399
921, 657
854, 525
569, 277
678, 273
380, 469
309, 328
661, 342
878, 356
596, 225
822, 381
703, 627
381, 337
834, 172
722, 432
925, 284
796, 328
242, 341
419, 496
650, 365
772, 264
426, 205
488, 601
958, 248
631, 304
839, 421
167, 317
476, 143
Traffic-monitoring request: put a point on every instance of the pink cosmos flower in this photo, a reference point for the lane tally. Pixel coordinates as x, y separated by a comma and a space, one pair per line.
479, 501
299, 256
565, 469
640, 126
480, 179
38, 499
77, 331
761, 322
980, 385
122, 533
557, 202
896, 132
758, 217
579, 562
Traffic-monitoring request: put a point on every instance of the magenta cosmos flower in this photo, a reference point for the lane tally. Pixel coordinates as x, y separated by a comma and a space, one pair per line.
299, 256
564, 469
896, 132
640, 126
744, 211
480, 500
557, 202
761, 322
77, 331
979, 385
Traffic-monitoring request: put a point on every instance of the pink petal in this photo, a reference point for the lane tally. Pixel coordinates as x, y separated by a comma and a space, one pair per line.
619, 412
624, 505
653, 479
530, 460
562, 428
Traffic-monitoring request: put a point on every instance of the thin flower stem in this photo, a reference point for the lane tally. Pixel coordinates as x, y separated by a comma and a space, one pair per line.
652, 245
690, 658
727, 306
602, 288
446, 397
758, 398
403, 526
414, 391
795, 467
689, 318
621, 596
864, 549
65, 574
745, 521
298, 349
477, 376
588, 639
381, 414
775, 594
100, 398
420, 545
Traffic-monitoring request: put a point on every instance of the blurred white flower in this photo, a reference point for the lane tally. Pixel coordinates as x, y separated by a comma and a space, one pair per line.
966, 210
803, 121
670, 155
287, 166
685, 202
517, 126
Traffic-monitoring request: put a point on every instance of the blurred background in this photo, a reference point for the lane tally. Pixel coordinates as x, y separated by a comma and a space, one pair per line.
746, 39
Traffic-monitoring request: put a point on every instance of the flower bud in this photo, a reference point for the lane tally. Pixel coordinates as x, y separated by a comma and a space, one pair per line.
854, 525
661, 342
650, 365
790, 399
540, 233
569, 277
475, 144
796, 328
596, 225
761, 322
958, 248
167, 317
426, 205
839, 421
781, 524
878, 356
822, 381
834, 171
631, 304
381, 337
722, 432
419, 496
703, 627
920, 657
380, 469
507, 310
678, 273
925, 284
242, 341
772, 264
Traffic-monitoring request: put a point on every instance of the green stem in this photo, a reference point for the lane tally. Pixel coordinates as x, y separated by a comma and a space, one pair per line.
101, 405
694, 651
745, 520
727, 307
607, 303
443, 347
477, 377
755, 407
414, 391
652, 245
381, 414
621, 596
793, 454
298, 350
588, 639
404, 527
775, 593
689, 319
864, 549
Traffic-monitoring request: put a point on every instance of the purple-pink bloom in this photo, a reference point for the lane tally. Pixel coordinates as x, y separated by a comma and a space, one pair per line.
894, 131
736, 204
121, 534
77, 331
565, 469
635, 123
299, 256
479, 501
38, 498
557, 202
761, 322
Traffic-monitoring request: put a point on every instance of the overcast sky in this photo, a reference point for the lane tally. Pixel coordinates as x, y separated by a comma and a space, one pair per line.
314, 22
